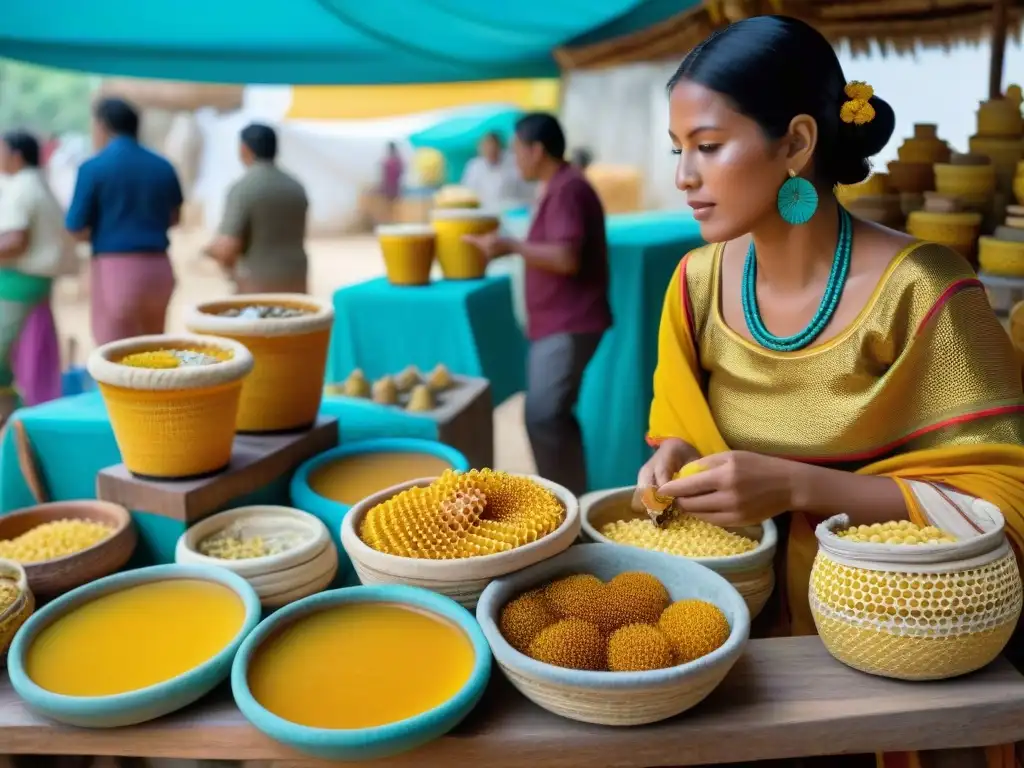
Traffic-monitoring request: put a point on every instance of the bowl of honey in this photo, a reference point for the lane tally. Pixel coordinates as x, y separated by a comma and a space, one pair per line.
133, 646
331, 483
341, 675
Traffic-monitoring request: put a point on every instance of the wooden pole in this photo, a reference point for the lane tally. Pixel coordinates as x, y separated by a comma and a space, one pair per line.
995, 72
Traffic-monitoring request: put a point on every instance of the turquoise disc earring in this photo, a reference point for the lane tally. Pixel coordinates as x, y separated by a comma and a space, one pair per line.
798, 200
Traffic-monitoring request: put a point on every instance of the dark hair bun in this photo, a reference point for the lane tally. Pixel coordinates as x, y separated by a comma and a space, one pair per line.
857, 143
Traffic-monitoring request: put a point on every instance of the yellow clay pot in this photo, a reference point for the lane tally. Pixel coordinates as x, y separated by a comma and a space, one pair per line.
952, 229
408, 251
1000, 117
460, 260
289, 353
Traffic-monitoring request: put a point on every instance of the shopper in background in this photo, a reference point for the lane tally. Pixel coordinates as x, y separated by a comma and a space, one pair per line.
126, 199
391, 171
261, 241
34, 249
493, 177
566, 258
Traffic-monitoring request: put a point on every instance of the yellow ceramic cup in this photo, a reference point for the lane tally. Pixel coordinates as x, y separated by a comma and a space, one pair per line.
408, 251
460, 260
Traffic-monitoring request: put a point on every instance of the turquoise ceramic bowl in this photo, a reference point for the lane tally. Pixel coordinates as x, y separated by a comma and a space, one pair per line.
617, 698
332, 512
365, 743
146, 703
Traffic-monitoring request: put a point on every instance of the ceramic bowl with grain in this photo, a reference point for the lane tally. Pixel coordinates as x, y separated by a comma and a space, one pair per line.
50, 578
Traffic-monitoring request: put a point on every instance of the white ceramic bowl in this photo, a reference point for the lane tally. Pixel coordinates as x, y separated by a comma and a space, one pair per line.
464, 579
278, 579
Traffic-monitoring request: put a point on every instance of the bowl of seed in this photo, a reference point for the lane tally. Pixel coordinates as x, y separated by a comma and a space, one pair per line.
288, 335
62, 545
284, 553
172, 401
16, 604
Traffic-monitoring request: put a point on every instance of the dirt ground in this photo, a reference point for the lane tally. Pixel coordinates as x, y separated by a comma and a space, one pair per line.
334, 263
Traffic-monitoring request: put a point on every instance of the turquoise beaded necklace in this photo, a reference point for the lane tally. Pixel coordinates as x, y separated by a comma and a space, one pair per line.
829, 302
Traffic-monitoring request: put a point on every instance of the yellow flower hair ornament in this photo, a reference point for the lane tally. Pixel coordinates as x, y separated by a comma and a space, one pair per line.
857, 110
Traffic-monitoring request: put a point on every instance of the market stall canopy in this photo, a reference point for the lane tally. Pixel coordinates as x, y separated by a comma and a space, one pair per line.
316, 41
895, 25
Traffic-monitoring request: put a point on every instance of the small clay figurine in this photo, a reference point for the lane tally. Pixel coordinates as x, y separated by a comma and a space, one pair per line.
439, 379
356, 384
421, 399
384, 391
407, 379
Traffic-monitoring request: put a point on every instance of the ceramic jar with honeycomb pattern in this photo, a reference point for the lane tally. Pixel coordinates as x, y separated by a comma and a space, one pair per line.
17, 613
915, 612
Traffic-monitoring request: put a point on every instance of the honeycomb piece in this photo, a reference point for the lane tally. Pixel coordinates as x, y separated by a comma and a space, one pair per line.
524, 618
695, 628
421, 399
356, 384
679, 534
571, 643
385, 391
637, 598
462, 514
896, 532
408, 378
639, 647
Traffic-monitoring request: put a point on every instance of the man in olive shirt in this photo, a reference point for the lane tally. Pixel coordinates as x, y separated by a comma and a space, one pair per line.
261, 239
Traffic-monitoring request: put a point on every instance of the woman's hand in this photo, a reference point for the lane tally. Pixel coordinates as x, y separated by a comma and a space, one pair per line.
736, 488
670, 457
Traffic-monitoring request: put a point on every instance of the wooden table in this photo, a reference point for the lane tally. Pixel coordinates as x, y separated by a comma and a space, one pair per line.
784, 698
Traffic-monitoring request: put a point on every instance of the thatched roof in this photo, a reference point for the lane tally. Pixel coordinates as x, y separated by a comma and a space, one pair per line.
896, 26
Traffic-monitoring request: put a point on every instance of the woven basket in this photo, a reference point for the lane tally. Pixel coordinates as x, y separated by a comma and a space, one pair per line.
462, 580
973, 183
957, 230
1001, 257
752, 573
287, 382
408, 251
915, 612
617, 698
16, 614
172, 423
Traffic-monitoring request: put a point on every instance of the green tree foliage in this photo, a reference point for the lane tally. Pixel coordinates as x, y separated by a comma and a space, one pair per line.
47, 101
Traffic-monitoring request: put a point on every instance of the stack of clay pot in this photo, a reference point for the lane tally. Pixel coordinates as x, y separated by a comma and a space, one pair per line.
1018, 183
969, 177
913, 173
945, 220
1003, 253
1000, 137
873, 200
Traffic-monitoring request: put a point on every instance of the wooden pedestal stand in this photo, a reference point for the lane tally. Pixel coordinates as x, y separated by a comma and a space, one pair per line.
256, 462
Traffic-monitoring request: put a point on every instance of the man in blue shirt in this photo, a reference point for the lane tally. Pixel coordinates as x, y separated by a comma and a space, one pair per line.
126, 198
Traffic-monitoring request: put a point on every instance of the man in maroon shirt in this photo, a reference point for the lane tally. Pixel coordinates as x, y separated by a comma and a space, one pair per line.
566, 259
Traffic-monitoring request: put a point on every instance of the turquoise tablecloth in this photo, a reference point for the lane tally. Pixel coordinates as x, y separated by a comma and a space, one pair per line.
72, 440
468, 325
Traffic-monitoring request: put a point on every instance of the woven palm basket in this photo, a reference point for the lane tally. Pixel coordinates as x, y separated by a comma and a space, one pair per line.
172, 423
916, 612
290, 355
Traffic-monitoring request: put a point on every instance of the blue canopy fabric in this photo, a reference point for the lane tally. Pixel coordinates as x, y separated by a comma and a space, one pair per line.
315, 41
456, 137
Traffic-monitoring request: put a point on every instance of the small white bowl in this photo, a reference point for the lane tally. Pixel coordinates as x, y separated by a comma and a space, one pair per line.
277, 579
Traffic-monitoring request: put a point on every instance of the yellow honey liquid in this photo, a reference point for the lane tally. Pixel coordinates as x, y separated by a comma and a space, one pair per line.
352, 478
360, 665
134, 638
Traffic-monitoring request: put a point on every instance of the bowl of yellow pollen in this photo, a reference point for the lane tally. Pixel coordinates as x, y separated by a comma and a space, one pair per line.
614, 635
455, 533
65, 544
744, 556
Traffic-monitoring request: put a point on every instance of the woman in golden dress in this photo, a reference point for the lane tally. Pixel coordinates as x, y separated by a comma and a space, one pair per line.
819, 364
